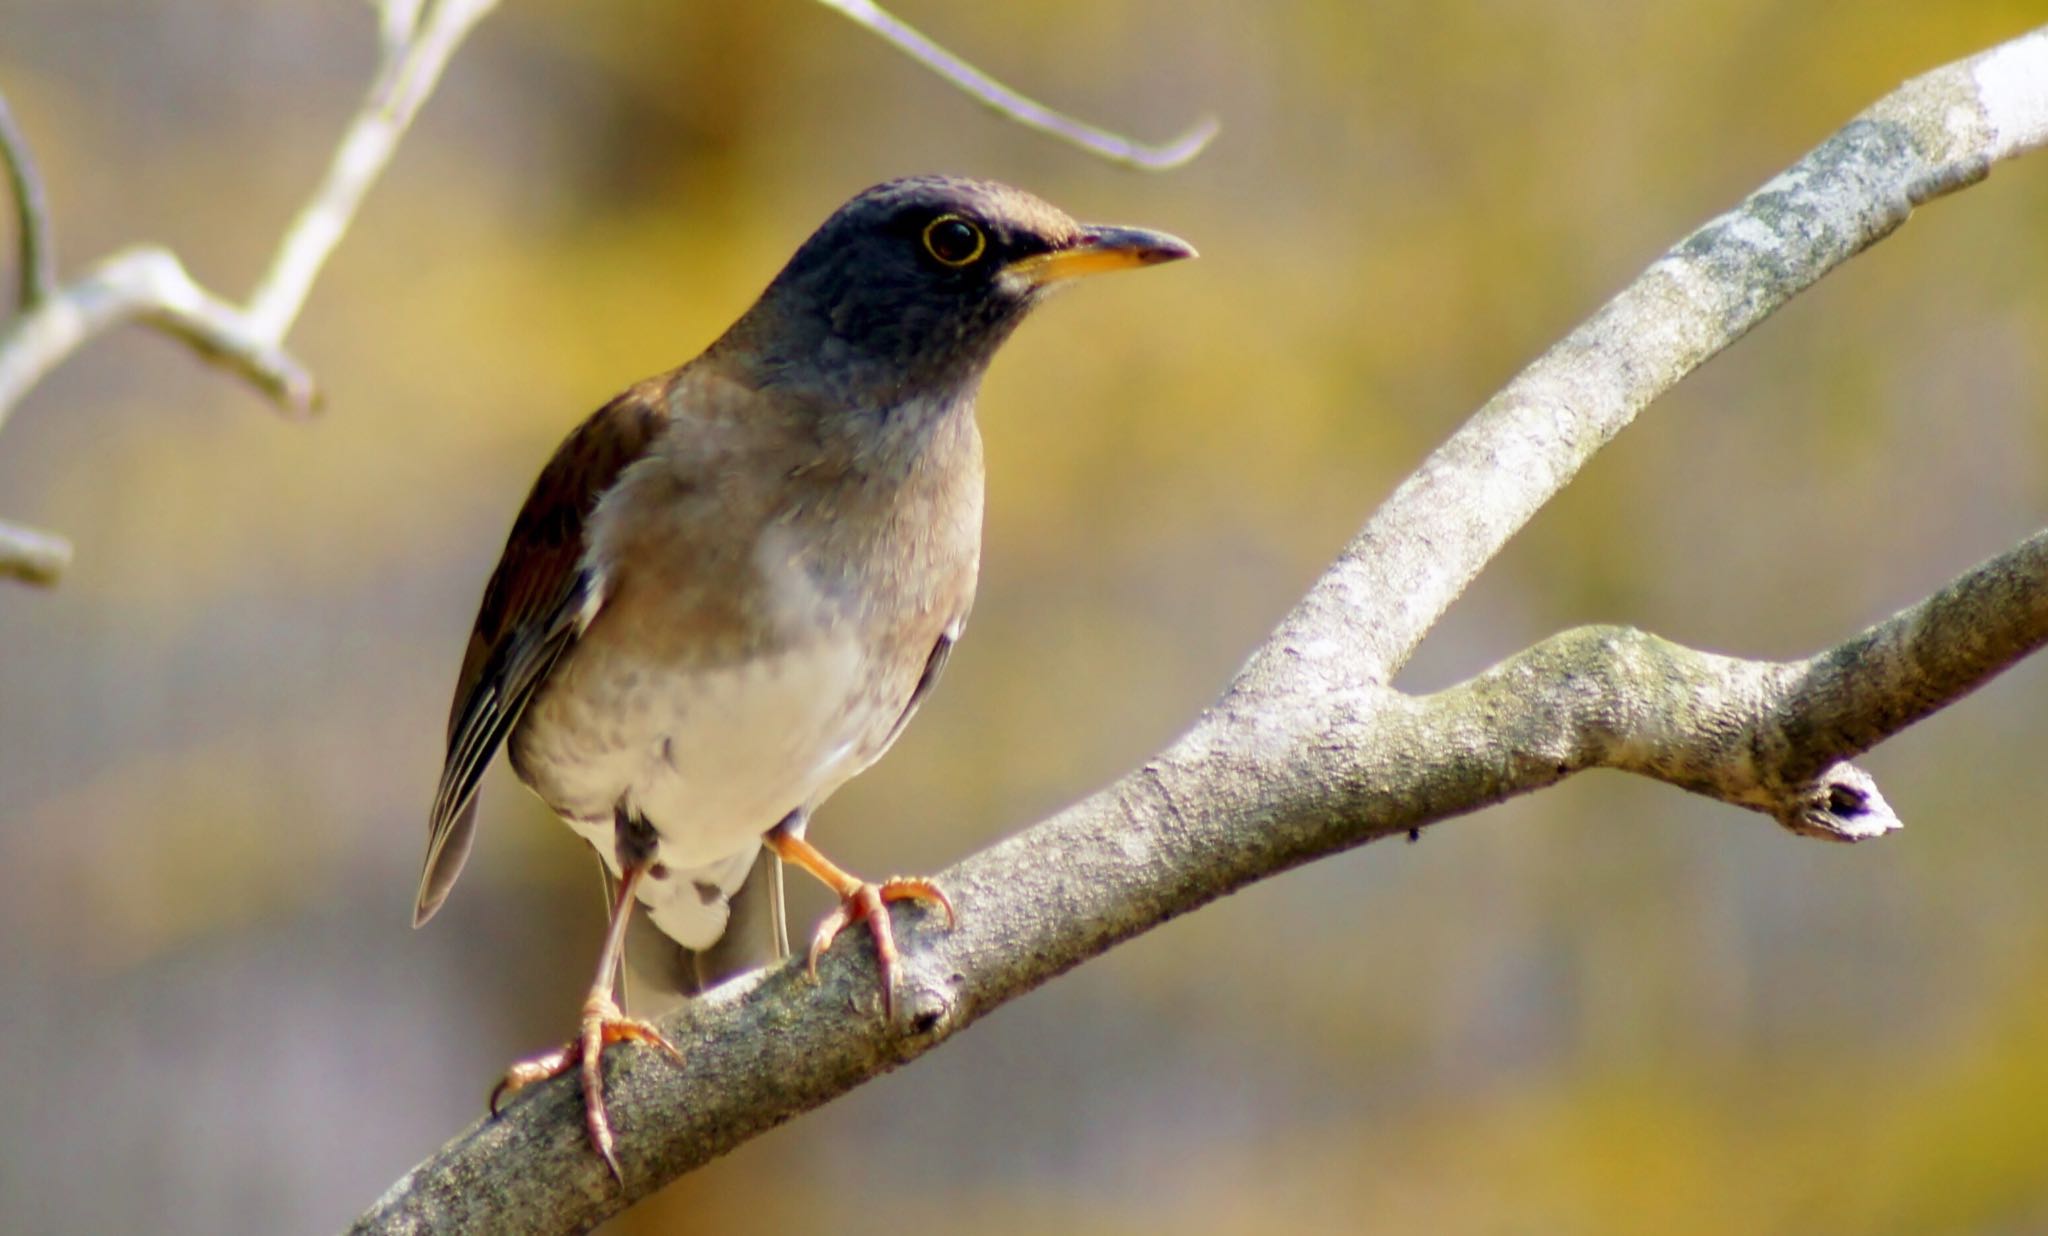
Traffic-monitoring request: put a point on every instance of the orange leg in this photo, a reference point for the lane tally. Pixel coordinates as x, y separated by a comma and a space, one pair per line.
858, 901
602, 1025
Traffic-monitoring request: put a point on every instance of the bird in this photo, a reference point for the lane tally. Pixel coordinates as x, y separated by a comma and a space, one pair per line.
734, 583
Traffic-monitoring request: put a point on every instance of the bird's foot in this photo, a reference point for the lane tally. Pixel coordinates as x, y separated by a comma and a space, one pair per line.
603, 1024
870, 902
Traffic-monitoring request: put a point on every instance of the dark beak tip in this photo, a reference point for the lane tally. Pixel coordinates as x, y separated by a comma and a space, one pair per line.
1174, 249
1145, 245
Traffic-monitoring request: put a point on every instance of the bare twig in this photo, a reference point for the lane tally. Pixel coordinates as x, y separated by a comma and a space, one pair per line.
419, 36
149, 284
146, 284
1025, 111
31, 554
38, 274
1309, 752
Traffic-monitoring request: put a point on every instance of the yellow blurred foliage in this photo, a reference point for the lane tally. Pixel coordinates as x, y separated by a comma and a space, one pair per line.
1606, 1009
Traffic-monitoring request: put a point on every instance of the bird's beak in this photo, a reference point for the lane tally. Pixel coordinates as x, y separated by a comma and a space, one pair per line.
1097, 249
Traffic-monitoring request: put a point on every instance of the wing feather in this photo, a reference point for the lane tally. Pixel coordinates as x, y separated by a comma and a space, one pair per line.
538, 602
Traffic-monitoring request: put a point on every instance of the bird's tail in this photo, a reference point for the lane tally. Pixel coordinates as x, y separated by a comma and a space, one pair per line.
660, 973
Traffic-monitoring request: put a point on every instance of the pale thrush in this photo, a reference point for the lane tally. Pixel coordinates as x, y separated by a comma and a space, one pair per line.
733, 585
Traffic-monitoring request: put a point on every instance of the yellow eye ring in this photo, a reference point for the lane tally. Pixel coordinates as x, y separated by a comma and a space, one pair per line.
954, 241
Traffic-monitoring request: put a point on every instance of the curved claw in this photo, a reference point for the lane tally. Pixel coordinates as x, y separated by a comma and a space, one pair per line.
602, 1025
869, 903
526, 1072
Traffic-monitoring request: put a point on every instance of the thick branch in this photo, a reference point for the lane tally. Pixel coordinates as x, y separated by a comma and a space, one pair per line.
1927, 657
1309, 752
1246, 794
1025, 111
1934, 135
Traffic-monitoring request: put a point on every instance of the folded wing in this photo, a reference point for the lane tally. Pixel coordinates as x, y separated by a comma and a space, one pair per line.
538, 603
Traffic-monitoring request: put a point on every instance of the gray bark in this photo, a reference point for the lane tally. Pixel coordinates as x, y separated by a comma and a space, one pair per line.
1310, 751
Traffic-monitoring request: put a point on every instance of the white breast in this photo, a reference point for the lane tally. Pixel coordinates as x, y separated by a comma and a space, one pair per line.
712, 755
713, 759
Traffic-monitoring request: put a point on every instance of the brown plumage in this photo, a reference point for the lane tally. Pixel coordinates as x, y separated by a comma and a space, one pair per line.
528, 617
733, 584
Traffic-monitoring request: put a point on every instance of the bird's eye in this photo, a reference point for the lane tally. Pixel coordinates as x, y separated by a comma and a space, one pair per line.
953, 240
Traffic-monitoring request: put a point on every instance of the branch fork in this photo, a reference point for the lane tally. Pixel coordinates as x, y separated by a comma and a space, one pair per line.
1310, 752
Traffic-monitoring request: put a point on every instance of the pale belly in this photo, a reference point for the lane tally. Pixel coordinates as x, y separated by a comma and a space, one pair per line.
712, 758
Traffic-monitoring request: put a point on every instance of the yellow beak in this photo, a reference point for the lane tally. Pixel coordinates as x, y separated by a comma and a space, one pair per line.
1098, 249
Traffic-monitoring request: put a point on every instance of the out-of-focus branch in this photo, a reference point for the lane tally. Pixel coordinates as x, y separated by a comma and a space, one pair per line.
37, 277
1309, 751
419, 37
148, 284
31, 554
1025, 111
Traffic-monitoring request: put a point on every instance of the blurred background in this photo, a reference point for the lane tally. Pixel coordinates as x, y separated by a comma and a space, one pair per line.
1609, 1008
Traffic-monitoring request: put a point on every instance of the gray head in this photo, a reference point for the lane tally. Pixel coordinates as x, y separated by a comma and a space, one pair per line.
907, 290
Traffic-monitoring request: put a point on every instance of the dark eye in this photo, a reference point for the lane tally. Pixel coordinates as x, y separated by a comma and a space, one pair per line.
953, 240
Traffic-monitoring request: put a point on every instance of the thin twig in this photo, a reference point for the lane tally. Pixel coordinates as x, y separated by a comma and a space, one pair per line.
1025, 111
32, 555
38, 254
149, 284
419, 39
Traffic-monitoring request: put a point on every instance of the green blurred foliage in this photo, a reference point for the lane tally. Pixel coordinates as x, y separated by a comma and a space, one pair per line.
1606, 1009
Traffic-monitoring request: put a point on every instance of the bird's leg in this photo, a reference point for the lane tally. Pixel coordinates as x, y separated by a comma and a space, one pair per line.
858, 900
602, 1024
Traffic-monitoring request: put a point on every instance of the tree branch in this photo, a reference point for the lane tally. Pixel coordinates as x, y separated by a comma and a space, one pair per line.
419, 37
148, 284
31, 554
37, 277
1310, 752
1025, 111
1932, 136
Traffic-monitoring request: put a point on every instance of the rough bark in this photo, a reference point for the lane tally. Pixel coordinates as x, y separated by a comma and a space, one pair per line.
1309, 751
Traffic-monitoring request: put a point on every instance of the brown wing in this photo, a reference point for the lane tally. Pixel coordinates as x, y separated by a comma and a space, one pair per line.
538, 601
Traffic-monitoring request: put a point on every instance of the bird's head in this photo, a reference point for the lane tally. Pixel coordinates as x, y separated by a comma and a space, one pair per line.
908, 289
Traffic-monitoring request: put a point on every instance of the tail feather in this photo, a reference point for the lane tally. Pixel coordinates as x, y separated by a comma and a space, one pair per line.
661, 974
446, 852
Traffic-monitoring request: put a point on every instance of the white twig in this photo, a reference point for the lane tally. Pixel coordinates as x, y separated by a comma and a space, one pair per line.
1025, 111
38, 257
148, 284
419, 37
32, 555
